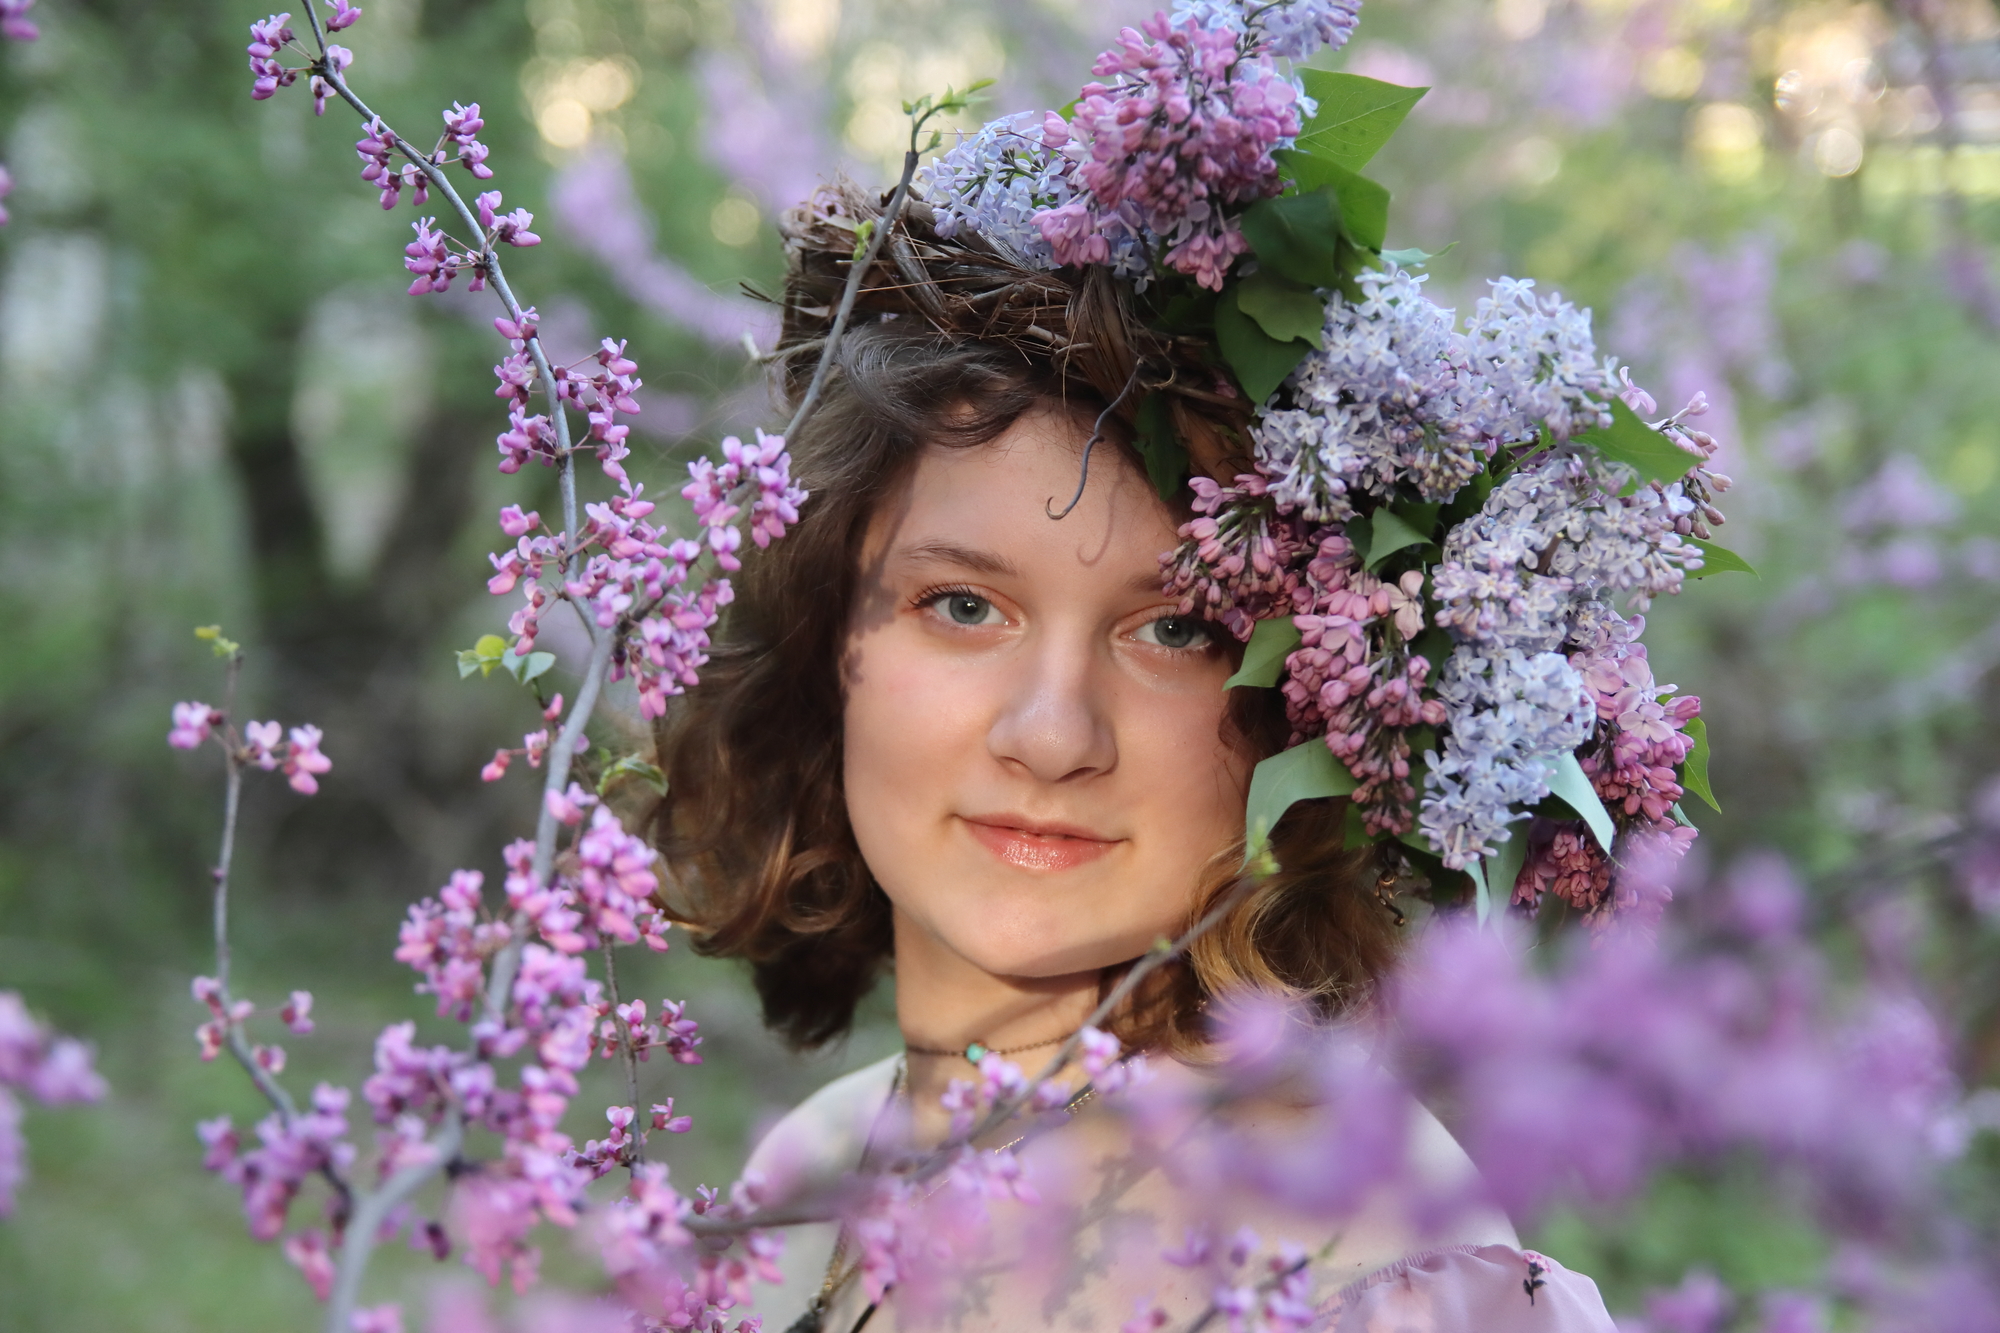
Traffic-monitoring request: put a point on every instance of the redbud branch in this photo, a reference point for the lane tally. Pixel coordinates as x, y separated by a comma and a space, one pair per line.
358, 1243
1208, 1316
489, 258
233, 1038
630, 1059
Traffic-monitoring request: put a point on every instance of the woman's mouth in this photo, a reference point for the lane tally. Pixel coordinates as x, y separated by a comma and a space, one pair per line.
1034, 845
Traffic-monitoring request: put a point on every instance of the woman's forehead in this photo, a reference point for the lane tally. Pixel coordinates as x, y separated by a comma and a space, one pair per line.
986, 508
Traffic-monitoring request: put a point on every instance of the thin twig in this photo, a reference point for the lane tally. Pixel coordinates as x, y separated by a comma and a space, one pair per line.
628, 1056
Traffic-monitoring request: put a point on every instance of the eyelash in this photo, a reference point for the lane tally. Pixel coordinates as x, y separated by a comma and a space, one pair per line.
932, 595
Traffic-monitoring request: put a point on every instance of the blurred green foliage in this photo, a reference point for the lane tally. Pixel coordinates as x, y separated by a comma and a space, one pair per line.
219, 406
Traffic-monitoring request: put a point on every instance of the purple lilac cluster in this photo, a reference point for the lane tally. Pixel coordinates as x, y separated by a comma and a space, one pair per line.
36, 1062
1400, 400
1191, 107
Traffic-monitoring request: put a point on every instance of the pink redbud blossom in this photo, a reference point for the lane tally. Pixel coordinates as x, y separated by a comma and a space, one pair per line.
267, 38
307, 1250
14, 26
379, 1318
343, 15
260, 744
517, 524
270, 1058
664, 1118
297, 1012
568, 806
554, 710
191, 725
497, 768
304, 761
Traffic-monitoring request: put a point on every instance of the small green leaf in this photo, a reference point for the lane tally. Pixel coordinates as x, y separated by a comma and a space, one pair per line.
1415, 258
864, 232
1305, 772
1717, 560
632, 766
489, 652
1282, 309
1354, 830
1356, 116
538, 665
1504, 866
1433, 645
1164, 455
490, 648
1631, 441
223, 647
1389, 533
1297, 235
1572, 785
1260, 361
1364, 205
1694, 768
1271, 642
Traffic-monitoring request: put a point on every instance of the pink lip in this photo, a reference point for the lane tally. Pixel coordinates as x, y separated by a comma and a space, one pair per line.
1033, 845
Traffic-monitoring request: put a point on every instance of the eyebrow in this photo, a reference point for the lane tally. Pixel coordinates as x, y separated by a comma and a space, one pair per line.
939, 551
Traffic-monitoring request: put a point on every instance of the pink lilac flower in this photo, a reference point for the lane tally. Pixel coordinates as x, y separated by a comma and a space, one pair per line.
1186, 126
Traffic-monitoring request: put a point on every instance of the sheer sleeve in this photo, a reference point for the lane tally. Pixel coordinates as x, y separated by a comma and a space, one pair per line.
1469, 1289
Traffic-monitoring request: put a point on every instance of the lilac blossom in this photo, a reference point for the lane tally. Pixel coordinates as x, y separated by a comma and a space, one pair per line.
1186, 125
1292, 29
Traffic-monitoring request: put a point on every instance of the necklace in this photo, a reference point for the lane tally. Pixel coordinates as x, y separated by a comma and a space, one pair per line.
975, 1051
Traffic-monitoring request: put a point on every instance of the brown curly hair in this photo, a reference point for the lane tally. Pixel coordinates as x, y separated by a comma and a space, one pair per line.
953, 339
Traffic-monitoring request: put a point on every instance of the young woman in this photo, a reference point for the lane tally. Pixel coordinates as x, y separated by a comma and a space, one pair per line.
955, 741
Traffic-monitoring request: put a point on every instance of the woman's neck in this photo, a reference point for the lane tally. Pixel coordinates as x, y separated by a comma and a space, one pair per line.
945, 1003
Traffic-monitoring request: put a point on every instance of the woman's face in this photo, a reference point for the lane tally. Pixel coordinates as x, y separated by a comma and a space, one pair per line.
1035, 767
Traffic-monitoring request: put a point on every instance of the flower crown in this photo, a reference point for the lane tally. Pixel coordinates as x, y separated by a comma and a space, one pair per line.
1422, 529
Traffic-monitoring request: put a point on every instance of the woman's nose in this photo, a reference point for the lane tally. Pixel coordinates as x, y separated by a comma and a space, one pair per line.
1054, 724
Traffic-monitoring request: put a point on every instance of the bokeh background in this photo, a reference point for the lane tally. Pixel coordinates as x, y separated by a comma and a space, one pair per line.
217, 405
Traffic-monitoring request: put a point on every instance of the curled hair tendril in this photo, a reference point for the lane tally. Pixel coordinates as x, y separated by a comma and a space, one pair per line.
1096, 434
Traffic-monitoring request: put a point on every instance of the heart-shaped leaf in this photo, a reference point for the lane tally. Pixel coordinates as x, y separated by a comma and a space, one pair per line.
1694, 768
1717, 559
1271, 642
1297, 235
1364, 204
1305, 772
1282, 309
1631, 441
1356, 116
1572, 786
1260, 361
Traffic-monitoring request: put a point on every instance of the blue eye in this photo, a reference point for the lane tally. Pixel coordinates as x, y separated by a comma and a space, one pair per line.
1174, 632
964, 608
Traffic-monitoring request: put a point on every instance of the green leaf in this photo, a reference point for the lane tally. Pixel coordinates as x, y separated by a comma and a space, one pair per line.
1504, 866
1306, 772
1388, 534
1572, 786
1631, 441
1271, 642
1260, 361
1717, 560
1364, 205
1282, 309
1298, 235
1164, 455
1356, 116
632, 766
482, 656
1354, 830
1415, 258
1694, 768
526, 669
1433, 645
